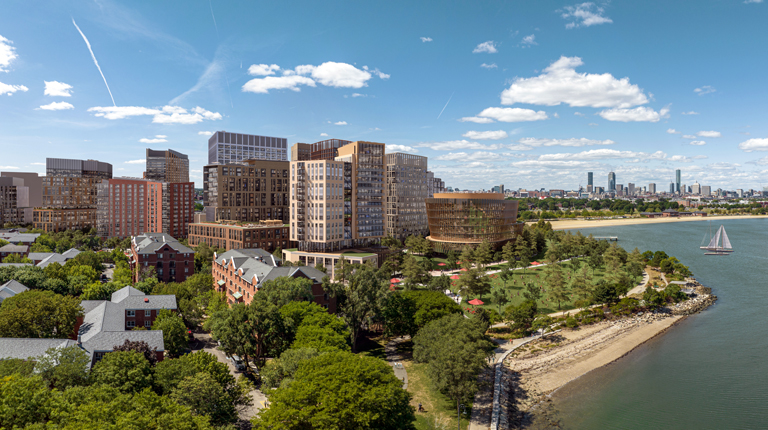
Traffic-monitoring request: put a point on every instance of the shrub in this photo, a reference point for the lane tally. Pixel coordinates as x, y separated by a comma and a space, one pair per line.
625, 306
571, 322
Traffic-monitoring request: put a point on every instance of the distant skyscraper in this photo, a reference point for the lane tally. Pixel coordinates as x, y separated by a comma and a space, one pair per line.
677, 180
611, 181
631, 189
695, 188
589, 179
672, 188
229, 148
166, 166
652, 188
706, 190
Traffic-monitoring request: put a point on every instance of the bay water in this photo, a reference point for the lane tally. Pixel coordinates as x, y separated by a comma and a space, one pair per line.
709, 371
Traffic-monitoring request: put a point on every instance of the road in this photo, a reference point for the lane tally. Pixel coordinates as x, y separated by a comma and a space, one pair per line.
204, 342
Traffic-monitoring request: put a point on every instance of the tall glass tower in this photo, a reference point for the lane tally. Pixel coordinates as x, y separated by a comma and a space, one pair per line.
611, 181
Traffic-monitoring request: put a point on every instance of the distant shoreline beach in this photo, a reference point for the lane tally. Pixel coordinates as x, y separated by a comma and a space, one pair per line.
582, 224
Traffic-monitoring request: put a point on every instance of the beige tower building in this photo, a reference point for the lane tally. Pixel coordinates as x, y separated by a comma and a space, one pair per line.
408, 185
167, 166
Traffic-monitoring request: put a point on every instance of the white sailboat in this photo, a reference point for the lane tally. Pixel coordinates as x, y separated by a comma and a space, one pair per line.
719, 244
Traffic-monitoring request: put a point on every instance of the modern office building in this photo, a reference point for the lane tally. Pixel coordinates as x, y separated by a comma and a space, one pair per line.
590, 179
131, 207
706, 190
677, 180
267, 235
34, 184
460, 219
252, 191
323, 150
696, 188
631, 189
301, 151
173, 262
69, 194
672, 188
407, 188
167, 166
652, 188
611, 182
233, 148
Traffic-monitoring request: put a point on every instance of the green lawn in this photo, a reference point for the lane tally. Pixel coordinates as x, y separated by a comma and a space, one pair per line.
514, 289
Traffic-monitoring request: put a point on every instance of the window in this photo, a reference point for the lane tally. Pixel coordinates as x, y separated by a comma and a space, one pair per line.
148, 313
131, 324
131, 313
147, 324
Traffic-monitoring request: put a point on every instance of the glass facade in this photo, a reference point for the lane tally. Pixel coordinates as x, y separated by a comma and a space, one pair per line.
229, 148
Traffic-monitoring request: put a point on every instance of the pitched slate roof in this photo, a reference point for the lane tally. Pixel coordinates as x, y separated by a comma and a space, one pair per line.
260, 264
149, 243
15, 264
20, 237
14, 248
10, 289
24, 348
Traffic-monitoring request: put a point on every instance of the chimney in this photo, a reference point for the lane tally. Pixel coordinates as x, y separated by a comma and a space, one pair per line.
79, 340
146, 300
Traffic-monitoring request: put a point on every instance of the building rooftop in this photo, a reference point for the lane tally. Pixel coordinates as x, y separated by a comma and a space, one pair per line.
14, 248
263, 266
149, 243
242, 225
10, 289
16, 237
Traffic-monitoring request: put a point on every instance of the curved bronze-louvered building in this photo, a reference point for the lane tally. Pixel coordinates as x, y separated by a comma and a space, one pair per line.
460, 219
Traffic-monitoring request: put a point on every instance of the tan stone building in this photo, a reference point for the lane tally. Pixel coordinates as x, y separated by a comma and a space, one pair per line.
253, 191
167, 166
267, 235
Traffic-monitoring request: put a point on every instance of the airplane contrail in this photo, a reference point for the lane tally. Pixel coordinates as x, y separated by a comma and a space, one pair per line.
446, 104
94, 61
214, 19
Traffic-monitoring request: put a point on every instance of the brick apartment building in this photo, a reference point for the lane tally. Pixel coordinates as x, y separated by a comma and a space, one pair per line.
268, 235
242, 272
173, 262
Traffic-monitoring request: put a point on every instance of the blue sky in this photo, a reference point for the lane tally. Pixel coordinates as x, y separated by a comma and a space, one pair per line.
530, 94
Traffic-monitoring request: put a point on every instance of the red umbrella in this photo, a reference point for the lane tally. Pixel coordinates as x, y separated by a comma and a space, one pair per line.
458, 262
463, 270
455, 277
394, 280
475, 302
441, 264
535, 263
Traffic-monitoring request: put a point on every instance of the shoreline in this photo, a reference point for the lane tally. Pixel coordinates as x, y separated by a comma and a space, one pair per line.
584, 224
544, 367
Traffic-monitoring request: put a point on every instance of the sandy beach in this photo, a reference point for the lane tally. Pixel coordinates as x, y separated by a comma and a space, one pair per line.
584, 224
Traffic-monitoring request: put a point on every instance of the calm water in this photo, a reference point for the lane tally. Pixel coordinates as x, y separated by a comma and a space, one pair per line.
708, 372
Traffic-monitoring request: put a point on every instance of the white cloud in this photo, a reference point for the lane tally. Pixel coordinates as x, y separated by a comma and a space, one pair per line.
324, 134
520, 147
10, 89
9, 167
457, 145
706, 89
752, 1
57, 89
37, 164
709, 134
486, 135
263, 85
145, 140
680, 159
489, 66
426, 39
592, 124
573, 142
700, 157
160, 136
377, 72
164, 115
690, 112
584, 15
556, 115
529, 40
205, 133
698, 142
340, 123
688, 136
640, 113
475, 156
340, 75
760, 162
263, 69
672, 131
506, 115
400, 148
602, 154
135, 162
7, 54
56, 106
359, 95
561, 84
579, 114
754, 145
489, 47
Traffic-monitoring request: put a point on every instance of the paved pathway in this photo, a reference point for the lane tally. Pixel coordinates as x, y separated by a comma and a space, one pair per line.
395, 359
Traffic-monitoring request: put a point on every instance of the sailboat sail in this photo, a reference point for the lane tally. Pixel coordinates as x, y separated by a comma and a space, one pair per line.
720, 244
726, 242
715, 240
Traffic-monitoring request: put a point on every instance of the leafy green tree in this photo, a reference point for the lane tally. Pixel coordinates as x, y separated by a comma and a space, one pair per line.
452, 258
294, 313
64, 367
557, 285
391, 243
278, 253
484, 254
532, 292
323, 339
467, 257
24, 401
10, 366
414, 273
499, 298
582, 284
141, 347
281, 370
440, 283
232, 327
605, 293
508, 252
455, 350
595, 261
203, 395
399, 314
521, 317
523, 252
340, 391
16, 258
319, 266
360, 298
474, 282
128, 371
666, 266
174, 331
506, 274
39, 314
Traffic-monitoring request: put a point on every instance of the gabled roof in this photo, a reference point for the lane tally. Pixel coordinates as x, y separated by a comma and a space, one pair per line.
149, 243
20, 237
56, 258
10, 289
14, 248
264, 268
124, 292
24, 348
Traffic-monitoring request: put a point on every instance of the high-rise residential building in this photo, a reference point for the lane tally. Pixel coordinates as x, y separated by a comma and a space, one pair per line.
590, 178
652, 188
14, 201
611, 181
167, 166
367, 162
631, 189
407, 188
232, 148
672, 188
706, 190
69, 195
33, 182
253, 191
301, 151
266, 235
677, 180
696, 188
683, 189
131, 207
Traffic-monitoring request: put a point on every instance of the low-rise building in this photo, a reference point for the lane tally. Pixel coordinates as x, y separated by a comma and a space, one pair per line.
329, 259
242, 272
173, 262
10, 289
268, 235
11, 249
43, 259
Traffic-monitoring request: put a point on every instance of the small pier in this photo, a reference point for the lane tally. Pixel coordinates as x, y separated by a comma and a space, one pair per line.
608, 238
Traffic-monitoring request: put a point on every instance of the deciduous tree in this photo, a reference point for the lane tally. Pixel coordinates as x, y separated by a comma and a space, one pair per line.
39, 314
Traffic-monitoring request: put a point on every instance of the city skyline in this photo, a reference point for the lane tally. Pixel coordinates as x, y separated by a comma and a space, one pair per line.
530, 95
